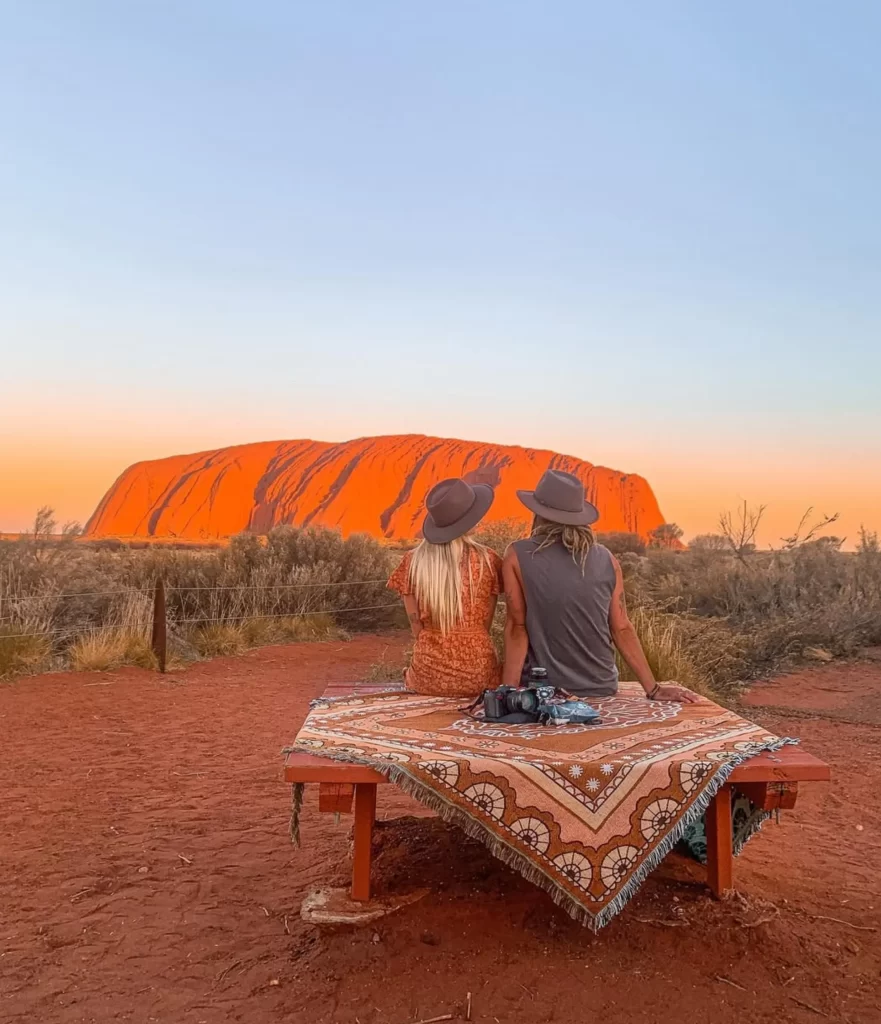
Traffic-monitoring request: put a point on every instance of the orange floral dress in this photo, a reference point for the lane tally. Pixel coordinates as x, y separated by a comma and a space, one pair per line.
463, 662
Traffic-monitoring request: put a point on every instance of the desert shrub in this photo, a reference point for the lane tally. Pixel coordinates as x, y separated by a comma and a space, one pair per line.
286, 586
743, 617
709, 542
499, 534
667, 535
622, 543
22, 653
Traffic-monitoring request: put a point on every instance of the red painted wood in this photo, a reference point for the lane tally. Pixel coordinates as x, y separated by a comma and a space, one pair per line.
789, 764
365, 815
335, 797
770, 796
309, 768
720, 856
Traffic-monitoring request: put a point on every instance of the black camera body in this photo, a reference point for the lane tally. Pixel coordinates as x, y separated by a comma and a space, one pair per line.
515, 704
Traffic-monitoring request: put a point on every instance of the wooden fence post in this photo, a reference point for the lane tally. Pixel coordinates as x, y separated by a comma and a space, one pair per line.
160, 625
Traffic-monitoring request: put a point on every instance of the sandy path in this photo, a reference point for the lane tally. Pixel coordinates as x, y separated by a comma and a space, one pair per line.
146, 874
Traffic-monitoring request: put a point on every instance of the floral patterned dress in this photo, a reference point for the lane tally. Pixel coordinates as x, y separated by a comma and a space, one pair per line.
463, 662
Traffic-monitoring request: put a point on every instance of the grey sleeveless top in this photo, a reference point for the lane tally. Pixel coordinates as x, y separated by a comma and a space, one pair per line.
567, 617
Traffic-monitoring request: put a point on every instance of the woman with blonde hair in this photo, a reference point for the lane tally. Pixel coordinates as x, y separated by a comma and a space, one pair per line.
450, 585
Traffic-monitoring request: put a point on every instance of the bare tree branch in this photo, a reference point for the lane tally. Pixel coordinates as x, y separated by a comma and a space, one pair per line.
739, 530
796, 540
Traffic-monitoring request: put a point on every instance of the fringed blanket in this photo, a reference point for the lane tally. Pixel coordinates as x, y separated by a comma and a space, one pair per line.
585, 812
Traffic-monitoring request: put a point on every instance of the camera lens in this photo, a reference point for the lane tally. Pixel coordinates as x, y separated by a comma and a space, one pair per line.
528, 700
538, 674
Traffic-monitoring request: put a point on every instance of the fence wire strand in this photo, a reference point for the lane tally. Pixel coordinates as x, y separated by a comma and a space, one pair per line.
202, 621
181, 590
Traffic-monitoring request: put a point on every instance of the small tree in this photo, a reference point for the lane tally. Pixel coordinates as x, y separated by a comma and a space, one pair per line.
739, 529
667, 535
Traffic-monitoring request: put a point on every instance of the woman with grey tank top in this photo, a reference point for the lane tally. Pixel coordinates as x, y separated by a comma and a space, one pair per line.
566, 605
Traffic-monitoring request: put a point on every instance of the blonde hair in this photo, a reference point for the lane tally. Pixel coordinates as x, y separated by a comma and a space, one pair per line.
436, 579
577, 540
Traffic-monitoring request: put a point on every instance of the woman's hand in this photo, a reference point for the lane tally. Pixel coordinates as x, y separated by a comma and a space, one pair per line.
670, 691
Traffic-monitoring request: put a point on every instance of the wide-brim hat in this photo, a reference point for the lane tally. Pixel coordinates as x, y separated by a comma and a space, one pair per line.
559, 498
454, 507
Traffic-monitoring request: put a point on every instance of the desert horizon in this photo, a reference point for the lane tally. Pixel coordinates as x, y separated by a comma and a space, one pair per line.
80, 478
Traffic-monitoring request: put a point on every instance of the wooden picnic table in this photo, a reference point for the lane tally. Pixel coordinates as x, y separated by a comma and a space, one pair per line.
770, 780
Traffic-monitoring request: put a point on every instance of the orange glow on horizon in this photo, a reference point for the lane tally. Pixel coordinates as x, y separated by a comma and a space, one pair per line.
690, 491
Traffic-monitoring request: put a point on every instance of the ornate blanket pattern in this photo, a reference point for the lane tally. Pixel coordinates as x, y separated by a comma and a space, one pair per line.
585, 812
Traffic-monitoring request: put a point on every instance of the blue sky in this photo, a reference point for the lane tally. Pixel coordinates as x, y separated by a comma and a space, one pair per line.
645, 234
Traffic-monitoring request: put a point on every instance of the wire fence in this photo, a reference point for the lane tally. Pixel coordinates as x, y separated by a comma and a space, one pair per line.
53, 596
182, 612
203, 622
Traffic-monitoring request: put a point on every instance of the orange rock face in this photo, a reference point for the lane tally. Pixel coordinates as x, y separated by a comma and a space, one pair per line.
374, 485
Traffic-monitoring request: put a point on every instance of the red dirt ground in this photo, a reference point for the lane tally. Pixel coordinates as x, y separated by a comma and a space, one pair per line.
147, 874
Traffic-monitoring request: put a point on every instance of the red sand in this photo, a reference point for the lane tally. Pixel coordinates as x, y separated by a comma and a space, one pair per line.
374, 485
147, 875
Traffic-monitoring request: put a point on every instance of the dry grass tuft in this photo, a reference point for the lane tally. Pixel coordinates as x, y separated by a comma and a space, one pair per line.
102, 650
122, 640
218, 639
667, 650
226, 638
22, 654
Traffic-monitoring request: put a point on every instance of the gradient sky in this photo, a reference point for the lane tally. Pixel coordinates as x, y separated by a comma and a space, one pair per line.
645, 234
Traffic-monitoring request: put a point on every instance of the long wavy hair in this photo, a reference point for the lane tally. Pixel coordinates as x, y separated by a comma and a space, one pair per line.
577, 540
437, 579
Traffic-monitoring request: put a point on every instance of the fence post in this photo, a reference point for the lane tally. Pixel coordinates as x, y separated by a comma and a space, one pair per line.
160, 625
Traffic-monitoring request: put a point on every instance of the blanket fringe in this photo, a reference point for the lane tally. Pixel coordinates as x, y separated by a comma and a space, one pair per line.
297, 789
434, 801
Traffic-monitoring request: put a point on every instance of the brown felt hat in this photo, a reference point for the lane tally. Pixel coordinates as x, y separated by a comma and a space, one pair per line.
454, 507
559, 498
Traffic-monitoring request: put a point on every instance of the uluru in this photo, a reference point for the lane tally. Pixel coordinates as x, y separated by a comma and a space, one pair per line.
374, 485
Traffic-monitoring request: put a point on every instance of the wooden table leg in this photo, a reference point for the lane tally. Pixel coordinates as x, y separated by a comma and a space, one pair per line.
365, 814
720, 854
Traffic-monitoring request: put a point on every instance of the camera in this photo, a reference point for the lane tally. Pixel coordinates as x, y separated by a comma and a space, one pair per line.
518, 704
534, 702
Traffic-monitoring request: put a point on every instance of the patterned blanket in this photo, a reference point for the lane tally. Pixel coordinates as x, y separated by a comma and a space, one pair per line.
585, 812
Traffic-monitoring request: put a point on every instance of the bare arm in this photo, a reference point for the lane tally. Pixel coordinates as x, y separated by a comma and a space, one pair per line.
516, 637
412, 609
625, 639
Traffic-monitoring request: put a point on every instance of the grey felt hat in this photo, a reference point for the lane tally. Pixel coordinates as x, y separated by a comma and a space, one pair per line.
559, 498
454, 507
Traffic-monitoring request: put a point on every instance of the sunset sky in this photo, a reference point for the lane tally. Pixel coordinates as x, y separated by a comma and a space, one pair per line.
648, 235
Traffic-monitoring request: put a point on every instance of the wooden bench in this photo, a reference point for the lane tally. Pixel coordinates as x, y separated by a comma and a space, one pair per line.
770, 780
